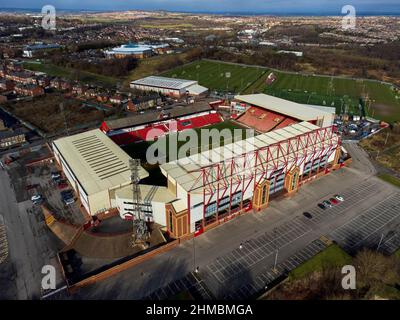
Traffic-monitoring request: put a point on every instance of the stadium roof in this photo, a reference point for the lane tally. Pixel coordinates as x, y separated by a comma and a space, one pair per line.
163, 82
96, 161
183, 171
282, 106
129, 49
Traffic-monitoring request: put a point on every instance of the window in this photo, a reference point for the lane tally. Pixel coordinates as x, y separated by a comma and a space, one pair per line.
171, 222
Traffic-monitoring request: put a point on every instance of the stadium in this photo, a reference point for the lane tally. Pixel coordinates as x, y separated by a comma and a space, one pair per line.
294, 144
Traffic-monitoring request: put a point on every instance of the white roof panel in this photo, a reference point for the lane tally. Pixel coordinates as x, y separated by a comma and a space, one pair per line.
96, 161
163, 82
282, 106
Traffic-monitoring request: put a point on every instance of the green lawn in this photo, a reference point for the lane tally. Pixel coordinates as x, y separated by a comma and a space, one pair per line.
336, 92
390, 179
341, 93
219, 76
330, 257
84, 76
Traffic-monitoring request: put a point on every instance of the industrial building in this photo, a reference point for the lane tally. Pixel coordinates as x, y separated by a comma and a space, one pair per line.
169, 86
95, 167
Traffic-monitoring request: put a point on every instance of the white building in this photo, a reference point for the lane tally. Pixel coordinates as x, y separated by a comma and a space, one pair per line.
95, 167
169, 86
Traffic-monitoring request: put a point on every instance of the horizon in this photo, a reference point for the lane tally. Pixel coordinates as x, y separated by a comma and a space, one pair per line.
223, 13
221, 7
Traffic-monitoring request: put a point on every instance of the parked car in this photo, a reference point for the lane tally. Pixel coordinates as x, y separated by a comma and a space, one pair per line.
338, 197
62, 184
55, 175
307, 215
327, 203
334, 201
322, 206
69, 201
37, 199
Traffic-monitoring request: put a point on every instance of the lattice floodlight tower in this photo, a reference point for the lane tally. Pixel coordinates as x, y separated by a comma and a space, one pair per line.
140, 231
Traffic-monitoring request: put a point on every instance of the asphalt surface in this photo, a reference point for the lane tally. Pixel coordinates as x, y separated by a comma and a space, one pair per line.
30, 246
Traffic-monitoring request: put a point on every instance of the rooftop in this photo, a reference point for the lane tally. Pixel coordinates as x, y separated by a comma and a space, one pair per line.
148, 193
97, 162
154, 116
282, 106
163, 82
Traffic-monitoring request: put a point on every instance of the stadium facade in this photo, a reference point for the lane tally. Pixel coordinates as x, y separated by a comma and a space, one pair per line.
211, 187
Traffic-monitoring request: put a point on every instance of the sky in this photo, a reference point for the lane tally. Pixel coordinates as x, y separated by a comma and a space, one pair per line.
227, 6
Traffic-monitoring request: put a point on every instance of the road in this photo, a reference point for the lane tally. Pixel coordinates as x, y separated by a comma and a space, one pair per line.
30, 246
242, 252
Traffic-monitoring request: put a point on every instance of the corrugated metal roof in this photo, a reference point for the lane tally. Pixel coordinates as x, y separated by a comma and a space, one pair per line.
163, 82
181, 170
282, 106
96, 161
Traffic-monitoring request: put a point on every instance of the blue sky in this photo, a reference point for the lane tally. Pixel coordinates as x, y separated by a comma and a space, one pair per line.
263, 6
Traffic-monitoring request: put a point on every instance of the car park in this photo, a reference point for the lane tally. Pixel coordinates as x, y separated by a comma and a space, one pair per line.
307, 215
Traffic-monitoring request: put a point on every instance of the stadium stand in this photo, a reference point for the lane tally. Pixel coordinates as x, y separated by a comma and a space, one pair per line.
145, 133
262, 120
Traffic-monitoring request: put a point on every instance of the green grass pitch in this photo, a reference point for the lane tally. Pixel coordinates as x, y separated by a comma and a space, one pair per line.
341, 93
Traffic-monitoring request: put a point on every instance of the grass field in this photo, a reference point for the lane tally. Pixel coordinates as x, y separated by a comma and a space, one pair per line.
390, 179
341, 93
330, 257
219, 76
84, 76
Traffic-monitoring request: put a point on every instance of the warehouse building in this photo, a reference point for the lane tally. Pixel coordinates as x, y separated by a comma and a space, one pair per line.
169, 86
95, 167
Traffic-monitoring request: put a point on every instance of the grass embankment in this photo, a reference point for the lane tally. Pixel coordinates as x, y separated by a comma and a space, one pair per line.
384, 147
332, 256
390, 179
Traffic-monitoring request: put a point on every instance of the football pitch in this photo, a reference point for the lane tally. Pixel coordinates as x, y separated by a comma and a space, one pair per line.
217, 76
343, 94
